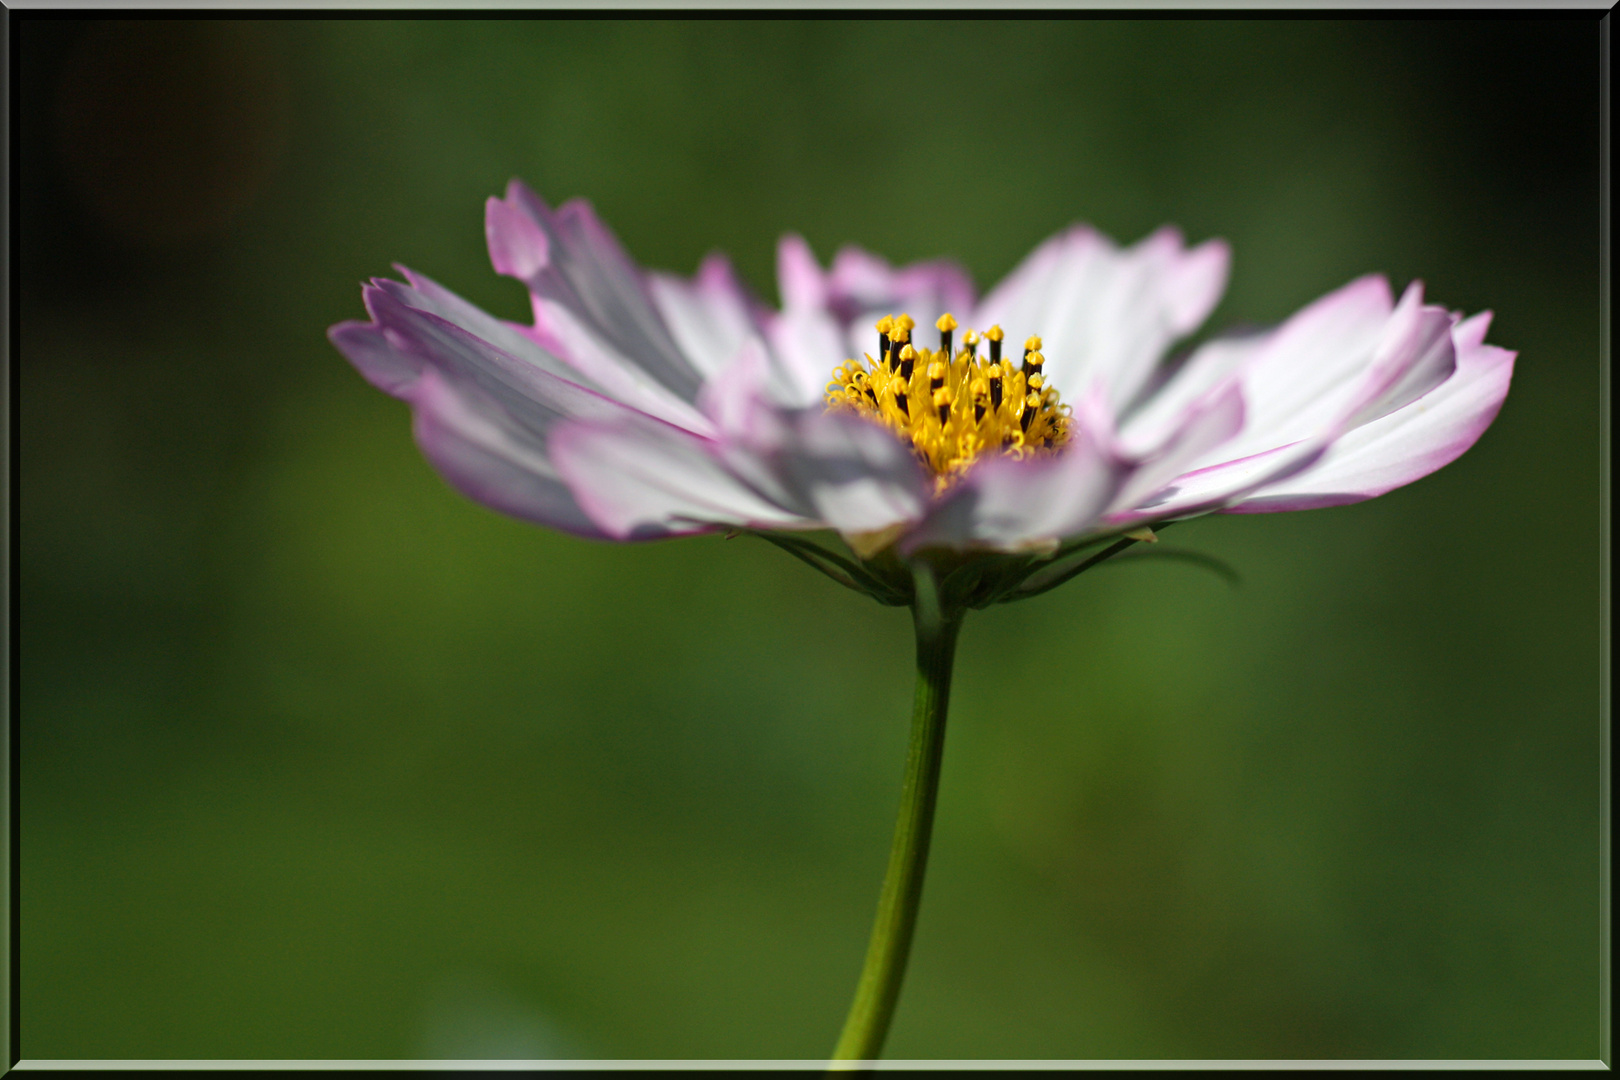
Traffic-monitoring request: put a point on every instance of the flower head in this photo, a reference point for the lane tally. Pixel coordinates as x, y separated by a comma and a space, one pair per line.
641, 405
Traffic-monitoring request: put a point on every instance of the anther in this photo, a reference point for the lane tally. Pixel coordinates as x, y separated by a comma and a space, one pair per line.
1031, 404
1035, 380
971, 340
942, 401
899, 388
1033, 360
1032, 344
898, 336
993, 335
907, 323
995, 380
884, 325
936, 374
981, 390
908, 358
945, 325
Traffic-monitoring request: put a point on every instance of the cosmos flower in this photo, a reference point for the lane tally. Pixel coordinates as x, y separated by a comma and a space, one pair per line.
641, 405
960, 470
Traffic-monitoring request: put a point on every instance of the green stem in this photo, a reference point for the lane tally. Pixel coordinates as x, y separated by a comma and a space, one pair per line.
879, 989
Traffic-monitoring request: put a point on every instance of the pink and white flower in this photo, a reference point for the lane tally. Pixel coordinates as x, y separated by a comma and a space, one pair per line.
642, 405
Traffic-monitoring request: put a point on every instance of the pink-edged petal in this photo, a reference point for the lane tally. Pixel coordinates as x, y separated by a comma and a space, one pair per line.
1106, 315
390, 369
851, 474
518, 247
801, 342
1300, 377
569, 259
737, 402
863, 288
1415, 356
835, 468
1213, 364
642, 479
1009, 504
1206, 425
478, 447
1408, 443
798, 276
1344, 361
1195, 278
805, 340
862, 281
405, 336
1202, 490
559, 328
518, 341
482, 415
1306, 388
710, 316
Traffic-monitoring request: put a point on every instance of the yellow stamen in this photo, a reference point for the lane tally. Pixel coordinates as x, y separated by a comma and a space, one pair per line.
978, 405
908, 361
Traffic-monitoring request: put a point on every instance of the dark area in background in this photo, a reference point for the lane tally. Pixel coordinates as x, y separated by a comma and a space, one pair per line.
321, 761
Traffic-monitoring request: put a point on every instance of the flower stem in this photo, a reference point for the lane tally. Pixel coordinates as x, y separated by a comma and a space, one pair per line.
879, 988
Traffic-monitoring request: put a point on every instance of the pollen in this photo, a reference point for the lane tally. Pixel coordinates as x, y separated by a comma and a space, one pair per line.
952, 405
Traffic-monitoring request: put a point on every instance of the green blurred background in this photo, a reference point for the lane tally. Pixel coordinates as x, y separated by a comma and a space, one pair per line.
322, 760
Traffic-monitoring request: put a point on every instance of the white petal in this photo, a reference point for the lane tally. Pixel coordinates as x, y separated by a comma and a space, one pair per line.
483, 415
1011, 504
1164, 413
852, 474
843, 471
1104, 315
529, 392
571, 259
863, 288
573, 339
1301, 377
737, 400
1205, 425
517, 341
646, 479
805, 348
1410, 442
474, 445
709, 316
798, 276
1415, 356
1340, 363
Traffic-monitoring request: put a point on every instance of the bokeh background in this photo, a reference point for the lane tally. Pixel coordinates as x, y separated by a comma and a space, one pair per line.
322, 760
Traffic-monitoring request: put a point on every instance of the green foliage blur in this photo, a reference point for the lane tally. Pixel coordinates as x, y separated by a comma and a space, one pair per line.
321, 760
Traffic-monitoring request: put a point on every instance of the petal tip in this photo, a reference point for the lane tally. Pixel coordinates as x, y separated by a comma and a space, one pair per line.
517, 245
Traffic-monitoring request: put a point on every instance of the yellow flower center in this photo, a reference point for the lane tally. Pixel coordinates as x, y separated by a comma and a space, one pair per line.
953, 406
